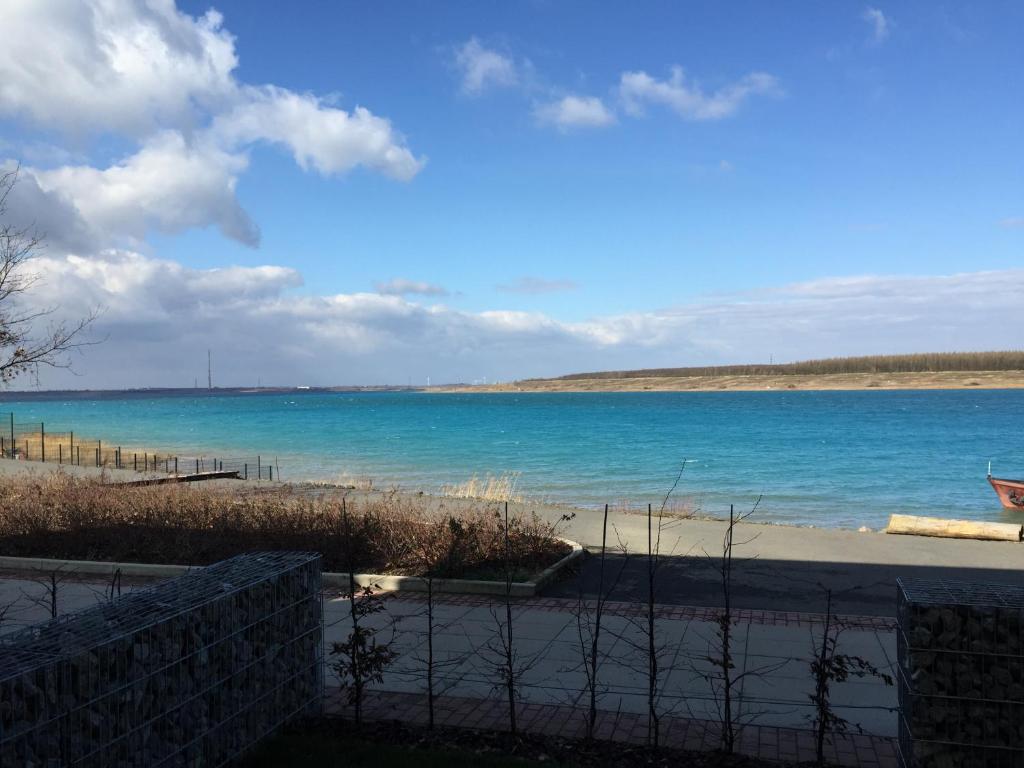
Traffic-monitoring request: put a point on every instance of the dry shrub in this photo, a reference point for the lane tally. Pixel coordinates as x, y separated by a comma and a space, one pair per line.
60, 516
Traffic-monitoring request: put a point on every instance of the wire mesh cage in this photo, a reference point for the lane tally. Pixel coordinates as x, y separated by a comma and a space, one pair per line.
960, 649
191, 671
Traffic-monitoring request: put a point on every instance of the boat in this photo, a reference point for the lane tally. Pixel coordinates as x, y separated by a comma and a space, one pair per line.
1010, 492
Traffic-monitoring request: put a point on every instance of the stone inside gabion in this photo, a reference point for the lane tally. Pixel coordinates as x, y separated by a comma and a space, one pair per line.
191, 671
961, 669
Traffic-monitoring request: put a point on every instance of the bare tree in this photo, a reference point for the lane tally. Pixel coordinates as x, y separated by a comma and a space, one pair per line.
440, 554
361, 659
51, 583
829, 666
723, 679
589, 615
24, 347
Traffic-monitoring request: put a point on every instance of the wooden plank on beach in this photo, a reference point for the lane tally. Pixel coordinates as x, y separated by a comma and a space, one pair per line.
195, 477
953, 529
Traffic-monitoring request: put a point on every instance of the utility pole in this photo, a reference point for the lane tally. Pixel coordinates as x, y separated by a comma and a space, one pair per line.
209, 369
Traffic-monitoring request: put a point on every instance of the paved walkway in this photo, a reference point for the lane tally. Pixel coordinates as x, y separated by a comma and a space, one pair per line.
772, 652
764, 742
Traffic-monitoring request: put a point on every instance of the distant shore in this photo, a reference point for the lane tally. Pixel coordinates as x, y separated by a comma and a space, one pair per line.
799, 382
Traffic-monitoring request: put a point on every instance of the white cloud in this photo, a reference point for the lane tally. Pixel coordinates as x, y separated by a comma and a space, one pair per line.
1012, 222
143, 70
536, 285
481, 68
328, 139
575, 112
169, 185
399, 286
119, 65
259, 326
880, 25
687, 99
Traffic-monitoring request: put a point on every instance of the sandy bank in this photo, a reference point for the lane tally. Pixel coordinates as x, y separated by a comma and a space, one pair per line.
834, 382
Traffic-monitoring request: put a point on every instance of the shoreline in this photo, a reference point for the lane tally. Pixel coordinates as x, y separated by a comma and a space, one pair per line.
833, 382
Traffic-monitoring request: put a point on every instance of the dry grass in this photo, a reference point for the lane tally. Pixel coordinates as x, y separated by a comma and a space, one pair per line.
491, 488
69, 518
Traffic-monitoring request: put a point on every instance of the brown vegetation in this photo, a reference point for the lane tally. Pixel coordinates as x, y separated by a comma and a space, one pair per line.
68, 518
919, 363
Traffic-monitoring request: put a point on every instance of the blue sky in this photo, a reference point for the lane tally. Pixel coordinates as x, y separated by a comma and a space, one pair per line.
606, 175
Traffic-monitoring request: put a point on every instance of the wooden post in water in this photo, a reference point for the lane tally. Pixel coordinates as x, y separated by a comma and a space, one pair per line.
71, 448
99, 450
259, 469
60, 453
42, 441
13, 446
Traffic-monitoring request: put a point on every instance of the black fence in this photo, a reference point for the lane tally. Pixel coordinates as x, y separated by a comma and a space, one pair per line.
32, 441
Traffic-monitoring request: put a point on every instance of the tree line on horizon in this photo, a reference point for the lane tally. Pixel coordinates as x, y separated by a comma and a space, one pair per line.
930, 362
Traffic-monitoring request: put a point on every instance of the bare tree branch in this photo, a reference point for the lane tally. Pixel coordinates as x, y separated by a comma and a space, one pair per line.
24, 347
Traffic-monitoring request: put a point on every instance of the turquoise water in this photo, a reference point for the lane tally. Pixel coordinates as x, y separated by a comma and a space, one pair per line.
823, 458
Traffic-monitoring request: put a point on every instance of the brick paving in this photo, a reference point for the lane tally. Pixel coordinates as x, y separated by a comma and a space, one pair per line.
670, 612
764, 742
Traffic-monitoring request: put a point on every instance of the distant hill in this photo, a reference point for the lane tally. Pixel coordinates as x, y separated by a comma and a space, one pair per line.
932, 362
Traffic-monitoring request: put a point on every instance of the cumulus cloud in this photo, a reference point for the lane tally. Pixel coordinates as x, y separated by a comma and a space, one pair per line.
687, 99
169, 185
879, 24
481, 68
401, 287
165, 80
536, 285
260, 326
571, 112
325, 138
119, 65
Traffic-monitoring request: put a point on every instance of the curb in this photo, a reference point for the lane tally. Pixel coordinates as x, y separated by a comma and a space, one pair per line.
379, 581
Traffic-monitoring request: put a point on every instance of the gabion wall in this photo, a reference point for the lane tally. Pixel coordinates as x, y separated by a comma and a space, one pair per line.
189, 672
961, 669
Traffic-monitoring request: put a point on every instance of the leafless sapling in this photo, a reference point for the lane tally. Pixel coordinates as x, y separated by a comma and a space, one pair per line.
828, 666
723, 678
361, 660
589, 614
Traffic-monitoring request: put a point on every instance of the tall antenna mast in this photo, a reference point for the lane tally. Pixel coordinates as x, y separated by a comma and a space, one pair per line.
209, 369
